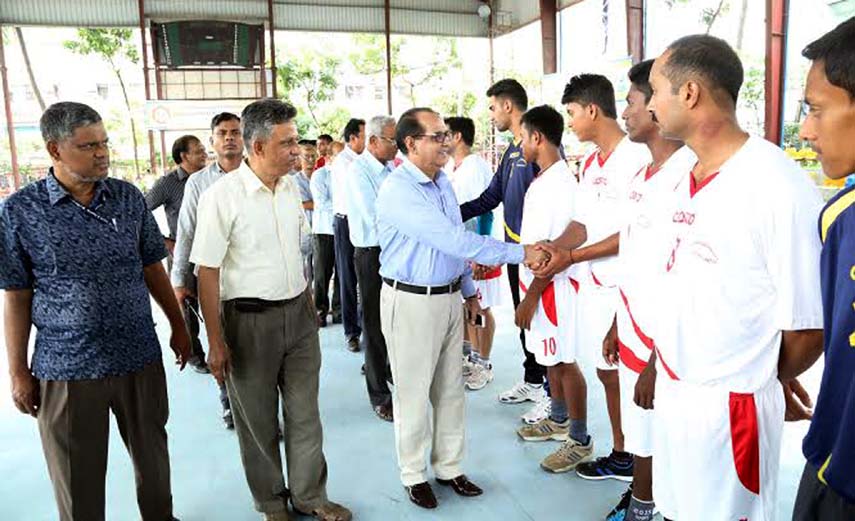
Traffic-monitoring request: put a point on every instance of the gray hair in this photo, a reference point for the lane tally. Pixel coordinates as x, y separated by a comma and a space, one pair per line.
259, 117
60, 120
376, 125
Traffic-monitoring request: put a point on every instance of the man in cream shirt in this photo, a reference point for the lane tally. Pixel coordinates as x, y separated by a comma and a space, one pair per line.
248, 250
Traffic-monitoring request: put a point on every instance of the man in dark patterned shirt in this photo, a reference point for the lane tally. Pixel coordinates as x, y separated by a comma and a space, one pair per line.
190, 156
79, 256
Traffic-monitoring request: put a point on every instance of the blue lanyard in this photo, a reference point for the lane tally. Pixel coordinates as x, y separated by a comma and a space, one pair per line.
108, 222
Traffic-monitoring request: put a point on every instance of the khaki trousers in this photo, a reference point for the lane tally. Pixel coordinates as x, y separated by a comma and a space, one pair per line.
275, 351
74, 423
424, 334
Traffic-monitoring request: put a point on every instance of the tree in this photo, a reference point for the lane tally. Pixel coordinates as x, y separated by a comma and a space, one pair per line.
752, 96
20, 34
113, 46
370, 59
709, 15
307, 80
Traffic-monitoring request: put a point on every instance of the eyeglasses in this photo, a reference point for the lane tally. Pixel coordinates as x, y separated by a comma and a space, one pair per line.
439, 137
388, 140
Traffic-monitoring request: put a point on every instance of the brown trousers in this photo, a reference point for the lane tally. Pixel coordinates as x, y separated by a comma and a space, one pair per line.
74, 422
276, 352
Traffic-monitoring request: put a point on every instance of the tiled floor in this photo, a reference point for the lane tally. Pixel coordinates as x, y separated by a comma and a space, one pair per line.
208, 483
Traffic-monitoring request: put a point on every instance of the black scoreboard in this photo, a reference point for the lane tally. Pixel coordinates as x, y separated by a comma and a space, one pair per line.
208, 44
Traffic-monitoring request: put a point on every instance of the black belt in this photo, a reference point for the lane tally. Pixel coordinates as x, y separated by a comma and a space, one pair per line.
368, 248
255, 305
424, 290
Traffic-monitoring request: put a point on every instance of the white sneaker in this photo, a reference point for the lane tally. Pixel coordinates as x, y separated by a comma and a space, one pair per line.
467, 366
479, 377
538, 412
522, 392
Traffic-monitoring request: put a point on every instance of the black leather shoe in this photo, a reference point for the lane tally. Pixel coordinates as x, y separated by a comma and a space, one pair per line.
353, 344
422, 495
462, 486
322, 320
384, 412
336, 319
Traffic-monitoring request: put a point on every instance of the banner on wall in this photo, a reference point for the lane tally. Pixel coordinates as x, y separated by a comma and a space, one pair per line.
187, 114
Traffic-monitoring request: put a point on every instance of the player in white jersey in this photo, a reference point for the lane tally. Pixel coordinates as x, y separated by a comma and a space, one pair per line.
470, 176
604, 180
739, 295
547, 311
642, 247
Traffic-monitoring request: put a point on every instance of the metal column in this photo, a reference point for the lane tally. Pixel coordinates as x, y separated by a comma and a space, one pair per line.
10, 125
776, 52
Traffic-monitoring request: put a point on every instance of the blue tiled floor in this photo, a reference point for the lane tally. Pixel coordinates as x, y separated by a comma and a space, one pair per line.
208, 483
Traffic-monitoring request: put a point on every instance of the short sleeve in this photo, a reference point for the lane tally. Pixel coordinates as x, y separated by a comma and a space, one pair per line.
152, 249
212, 231
793, 252
16, 270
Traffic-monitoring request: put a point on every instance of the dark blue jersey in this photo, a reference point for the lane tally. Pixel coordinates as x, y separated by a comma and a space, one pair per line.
509, 185
830, 442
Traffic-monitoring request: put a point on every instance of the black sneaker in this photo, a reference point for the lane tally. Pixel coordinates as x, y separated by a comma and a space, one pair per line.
228, 419
618, 513
199, 365
609, 467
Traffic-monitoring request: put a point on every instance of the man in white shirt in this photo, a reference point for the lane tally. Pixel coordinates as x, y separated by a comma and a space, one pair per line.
470, 176
603, 184
354, 137
364, 179
324, 243
739, 295
248, 249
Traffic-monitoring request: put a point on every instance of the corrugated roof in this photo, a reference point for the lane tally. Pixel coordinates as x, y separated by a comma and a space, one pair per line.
437, 17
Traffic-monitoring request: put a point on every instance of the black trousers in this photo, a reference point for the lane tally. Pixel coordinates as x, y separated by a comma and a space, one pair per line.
190, 309
534, 372
346, 273
817, 502
367, 262
324, 267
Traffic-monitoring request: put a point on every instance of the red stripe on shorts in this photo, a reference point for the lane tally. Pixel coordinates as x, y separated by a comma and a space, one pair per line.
745, 438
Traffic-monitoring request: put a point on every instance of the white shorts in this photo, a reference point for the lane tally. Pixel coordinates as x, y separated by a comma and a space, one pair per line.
549, 338
716, 453
490, 292
635, 349
595, 313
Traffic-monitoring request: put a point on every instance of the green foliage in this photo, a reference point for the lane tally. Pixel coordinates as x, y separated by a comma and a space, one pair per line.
307, 80
409, 71
109, 44
753, 94
791, 137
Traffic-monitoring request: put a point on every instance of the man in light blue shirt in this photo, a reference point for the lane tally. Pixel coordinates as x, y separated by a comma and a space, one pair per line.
364, 178
227, 143
324, 242
424, 248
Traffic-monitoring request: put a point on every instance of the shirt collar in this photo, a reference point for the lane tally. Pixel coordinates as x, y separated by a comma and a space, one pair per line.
374, 165
181, 173
252, 182
417, 175
57, 192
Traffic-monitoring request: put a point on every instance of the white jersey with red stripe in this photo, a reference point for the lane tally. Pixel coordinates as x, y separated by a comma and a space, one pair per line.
603, 186
743, 267
550, 205
644, 247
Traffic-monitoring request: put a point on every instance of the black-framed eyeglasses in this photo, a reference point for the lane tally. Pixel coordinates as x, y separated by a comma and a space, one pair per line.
438, 137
